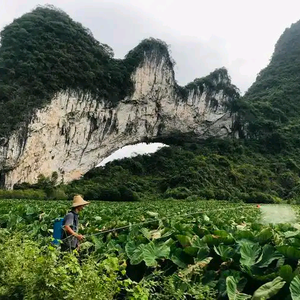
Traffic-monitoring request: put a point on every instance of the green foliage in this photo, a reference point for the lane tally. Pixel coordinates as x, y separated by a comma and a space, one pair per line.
153, 48
269, 110
23, 194
295, 288
29, 271
269, 289
154, 246
215, 82
232, 291
178, 193
214, 169
203, 250
45, 188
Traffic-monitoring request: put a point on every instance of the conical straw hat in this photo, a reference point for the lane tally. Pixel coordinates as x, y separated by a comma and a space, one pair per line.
78, 201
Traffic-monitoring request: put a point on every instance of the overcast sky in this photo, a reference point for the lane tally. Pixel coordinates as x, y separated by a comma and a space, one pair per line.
204, 35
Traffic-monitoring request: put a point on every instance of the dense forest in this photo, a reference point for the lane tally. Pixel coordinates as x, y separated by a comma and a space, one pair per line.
215, 169
45, 52
270, 108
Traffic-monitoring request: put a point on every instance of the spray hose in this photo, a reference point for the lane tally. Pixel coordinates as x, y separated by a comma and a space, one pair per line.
156, 220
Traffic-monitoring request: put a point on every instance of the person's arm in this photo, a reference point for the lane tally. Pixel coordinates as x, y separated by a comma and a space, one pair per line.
69, 230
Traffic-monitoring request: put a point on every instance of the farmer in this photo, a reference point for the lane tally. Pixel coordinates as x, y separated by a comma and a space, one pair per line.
70, 237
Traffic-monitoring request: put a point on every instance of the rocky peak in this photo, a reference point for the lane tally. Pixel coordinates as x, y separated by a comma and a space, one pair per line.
137, 99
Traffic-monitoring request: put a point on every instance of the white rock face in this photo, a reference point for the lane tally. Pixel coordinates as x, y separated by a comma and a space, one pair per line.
74, 133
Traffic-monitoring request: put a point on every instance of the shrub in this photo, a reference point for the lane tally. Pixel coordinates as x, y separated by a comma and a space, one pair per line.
31, 271
221, 194
23, 194
59, 194
207, 193
127, 194
110, 194
177, 193
257, 197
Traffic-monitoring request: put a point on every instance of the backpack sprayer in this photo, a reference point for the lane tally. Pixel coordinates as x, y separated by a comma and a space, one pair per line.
58, 231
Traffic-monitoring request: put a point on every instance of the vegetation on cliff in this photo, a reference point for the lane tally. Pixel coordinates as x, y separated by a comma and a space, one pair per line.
45, 52
223, 170
269, 111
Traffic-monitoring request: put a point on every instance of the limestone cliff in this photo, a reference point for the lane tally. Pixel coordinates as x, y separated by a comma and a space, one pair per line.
74, 132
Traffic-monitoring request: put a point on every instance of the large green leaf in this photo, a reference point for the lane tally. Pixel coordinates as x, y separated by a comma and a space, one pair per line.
152, 252
269, 289
30, 210
197, 242
98, 243
264, 236
265, 278
209, 277
224, 236
146, 233
226, 252
134, 252
211, 240
206, 218
86, 245
249, 253
149, 253
200, 231
169, 242
268, 256
184, 240
202, 253
152, 214
278, 239
165, 232
294, 242
289, 251
178, 257
192, 251
232, 291
295, 288
290, 234
244, 235
130, 247
286, 272
240, 281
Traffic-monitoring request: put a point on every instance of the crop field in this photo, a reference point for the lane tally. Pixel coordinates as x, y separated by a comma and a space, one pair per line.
156, 250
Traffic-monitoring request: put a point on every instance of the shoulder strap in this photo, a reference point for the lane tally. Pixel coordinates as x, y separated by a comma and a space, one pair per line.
74, 216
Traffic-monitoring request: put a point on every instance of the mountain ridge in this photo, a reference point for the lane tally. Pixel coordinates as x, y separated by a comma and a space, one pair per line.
45, 52
66, 103
257, 160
